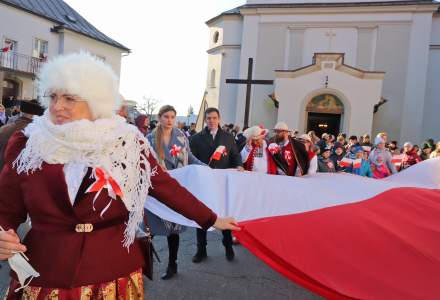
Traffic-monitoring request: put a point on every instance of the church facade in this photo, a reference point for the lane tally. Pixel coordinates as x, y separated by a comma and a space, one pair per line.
337, 66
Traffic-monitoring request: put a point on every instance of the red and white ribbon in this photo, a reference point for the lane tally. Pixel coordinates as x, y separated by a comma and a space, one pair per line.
103, 180
274, 148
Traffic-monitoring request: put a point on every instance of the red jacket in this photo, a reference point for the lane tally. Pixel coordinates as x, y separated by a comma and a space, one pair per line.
410, 158
63, 257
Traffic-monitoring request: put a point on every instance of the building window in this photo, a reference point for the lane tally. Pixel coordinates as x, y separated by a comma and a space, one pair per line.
216, 37
8, 57
99, 57
212, 78
9, 45
41, 48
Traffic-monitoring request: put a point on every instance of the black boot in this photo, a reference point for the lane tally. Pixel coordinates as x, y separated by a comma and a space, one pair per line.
227, 242
200, 255
171, 271
173, 248
229, 253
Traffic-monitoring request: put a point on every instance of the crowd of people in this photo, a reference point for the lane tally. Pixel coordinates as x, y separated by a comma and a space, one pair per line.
364, 156
376, 158
56, 168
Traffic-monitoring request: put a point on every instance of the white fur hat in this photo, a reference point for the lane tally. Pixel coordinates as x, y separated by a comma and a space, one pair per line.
379, 140
305, 137
255, 132
281, 126
85, 76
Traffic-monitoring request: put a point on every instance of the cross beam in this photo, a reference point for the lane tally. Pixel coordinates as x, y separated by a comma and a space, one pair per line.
248, 82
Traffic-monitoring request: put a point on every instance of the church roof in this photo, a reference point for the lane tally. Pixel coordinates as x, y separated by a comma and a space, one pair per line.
231, 12
60, 12
340, 4
305, 4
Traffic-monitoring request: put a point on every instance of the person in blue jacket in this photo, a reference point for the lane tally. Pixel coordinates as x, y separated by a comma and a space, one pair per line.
365, 168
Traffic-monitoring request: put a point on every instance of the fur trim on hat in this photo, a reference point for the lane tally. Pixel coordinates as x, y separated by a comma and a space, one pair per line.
378, 140
85, 76
305, 137
255, 132
281, 126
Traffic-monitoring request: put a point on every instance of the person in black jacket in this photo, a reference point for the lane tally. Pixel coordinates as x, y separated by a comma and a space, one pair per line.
203, 145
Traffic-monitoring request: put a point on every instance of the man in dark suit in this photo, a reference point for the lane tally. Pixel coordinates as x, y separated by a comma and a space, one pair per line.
203, 145
28, 110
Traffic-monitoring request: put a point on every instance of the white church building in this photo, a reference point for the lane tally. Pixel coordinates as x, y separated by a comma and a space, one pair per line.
352, 66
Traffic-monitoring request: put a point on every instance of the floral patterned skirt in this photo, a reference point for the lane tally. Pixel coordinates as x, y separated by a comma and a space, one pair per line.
126, 288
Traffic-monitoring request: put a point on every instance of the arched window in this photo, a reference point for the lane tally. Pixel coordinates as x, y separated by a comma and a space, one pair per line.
215, 37
212, 78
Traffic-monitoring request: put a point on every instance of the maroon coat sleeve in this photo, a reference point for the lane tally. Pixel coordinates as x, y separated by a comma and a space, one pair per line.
168, 191
12, 209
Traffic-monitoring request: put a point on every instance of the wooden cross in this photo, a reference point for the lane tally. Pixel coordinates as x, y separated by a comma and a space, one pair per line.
249, 82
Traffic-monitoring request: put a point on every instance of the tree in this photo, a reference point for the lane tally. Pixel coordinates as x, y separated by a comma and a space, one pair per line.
148, 106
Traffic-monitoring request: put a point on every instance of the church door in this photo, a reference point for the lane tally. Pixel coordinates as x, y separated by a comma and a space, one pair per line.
324, 114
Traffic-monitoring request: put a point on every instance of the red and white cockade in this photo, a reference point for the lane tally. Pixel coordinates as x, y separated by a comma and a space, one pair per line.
175, 150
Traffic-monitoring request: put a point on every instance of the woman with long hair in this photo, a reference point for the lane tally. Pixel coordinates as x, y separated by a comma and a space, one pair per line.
172, 148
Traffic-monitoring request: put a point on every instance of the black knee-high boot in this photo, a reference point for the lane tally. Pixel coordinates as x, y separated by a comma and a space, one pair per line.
173, 248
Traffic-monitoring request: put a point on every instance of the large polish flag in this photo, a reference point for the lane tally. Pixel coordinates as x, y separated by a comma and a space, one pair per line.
340, 235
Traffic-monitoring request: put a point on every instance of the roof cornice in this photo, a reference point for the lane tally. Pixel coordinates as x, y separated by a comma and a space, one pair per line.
336, 60
358, 7
222, 47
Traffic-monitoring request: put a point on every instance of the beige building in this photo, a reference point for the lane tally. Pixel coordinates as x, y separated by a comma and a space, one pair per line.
33, 31
352, 66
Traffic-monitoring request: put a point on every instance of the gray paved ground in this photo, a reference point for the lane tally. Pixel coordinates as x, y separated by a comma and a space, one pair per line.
245, 278
216, 279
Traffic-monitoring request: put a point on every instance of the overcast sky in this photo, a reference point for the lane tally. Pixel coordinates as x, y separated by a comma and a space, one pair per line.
168, 39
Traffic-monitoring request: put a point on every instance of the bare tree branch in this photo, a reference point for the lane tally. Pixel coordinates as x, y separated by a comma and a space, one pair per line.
148, 106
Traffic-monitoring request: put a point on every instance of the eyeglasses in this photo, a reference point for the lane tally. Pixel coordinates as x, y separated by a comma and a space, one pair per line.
68, 100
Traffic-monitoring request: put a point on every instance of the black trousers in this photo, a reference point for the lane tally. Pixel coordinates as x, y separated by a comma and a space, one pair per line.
173, 247
201, 238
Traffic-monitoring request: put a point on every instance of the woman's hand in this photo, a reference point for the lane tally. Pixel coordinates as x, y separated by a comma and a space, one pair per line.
10, 244
226, 224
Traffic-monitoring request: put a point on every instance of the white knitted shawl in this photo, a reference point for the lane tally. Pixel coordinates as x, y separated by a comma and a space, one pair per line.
110, 144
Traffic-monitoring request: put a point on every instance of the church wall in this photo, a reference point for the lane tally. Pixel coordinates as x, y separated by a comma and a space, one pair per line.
228, 92
249, 48
415, 84
229, 29
431, 120
435, 32
224, 59
212, 86
271, 47
232, 31
366, 47
392, 57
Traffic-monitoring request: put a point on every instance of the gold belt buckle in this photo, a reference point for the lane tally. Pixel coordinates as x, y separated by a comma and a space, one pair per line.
84, 228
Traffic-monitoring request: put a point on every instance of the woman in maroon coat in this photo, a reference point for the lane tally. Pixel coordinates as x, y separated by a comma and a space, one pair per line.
82, 175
